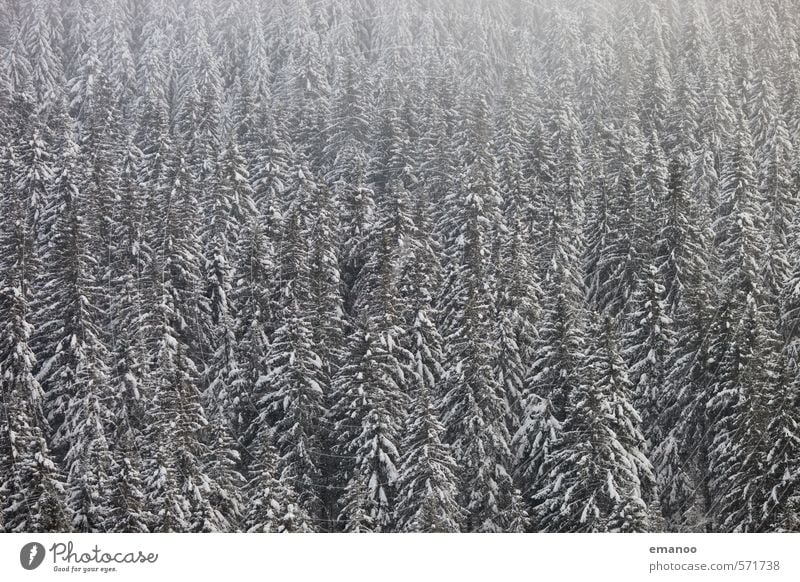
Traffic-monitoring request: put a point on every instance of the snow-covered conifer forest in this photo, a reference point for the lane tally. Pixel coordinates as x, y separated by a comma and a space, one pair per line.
420, 265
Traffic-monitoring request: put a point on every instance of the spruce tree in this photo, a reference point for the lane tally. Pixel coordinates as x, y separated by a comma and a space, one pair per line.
178, 487
650, 343
776, 187
475, 407
427, 487
598, 479
293, 387
254, 318
368, 427
31, 484
75, 373
273, 506
746, 460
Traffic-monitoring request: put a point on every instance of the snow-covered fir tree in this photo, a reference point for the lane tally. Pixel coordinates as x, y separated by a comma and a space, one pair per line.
75, 372
598, 478
31, 483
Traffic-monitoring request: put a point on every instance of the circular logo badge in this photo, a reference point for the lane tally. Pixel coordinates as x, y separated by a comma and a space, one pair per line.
31, 555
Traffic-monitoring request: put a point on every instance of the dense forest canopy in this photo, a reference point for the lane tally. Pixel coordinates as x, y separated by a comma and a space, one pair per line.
421, 265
